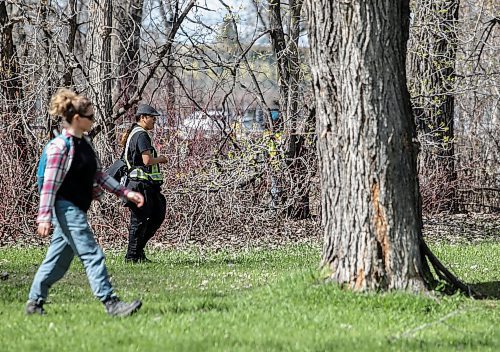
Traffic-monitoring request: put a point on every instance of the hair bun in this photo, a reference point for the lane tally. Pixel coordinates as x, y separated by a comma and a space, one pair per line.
67, 103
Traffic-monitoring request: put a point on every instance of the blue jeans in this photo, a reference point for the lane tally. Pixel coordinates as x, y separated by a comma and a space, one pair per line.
72, 235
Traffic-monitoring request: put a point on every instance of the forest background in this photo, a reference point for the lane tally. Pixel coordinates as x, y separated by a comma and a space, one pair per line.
219, 72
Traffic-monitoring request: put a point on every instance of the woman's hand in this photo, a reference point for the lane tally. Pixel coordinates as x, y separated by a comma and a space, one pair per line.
136, 197
44, 229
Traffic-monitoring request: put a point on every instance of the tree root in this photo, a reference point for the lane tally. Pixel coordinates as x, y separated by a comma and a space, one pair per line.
453, 283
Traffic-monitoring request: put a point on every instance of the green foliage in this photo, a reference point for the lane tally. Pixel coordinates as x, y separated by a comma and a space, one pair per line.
259, 300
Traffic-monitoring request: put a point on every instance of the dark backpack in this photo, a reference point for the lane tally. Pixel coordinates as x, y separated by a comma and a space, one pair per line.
42, 164
119, 169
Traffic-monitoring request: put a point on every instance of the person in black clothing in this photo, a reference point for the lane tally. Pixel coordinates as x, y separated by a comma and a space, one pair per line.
144, 176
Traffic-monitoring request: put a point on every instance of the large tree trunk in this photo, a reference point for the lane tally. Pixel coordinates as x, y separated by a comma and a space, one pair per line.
433, 46
370, 199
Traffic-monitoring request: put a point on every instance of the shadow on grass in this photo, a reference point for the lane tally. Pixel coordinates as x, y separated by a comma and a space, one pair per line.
211, 262
211, 302
490, 290
199, 307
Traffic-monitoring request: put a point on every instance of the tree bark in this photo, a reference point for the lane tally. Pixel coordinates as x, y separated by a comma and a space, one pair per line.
67, 79
128, 19
100, 80
370, 197
9, 63
10, 81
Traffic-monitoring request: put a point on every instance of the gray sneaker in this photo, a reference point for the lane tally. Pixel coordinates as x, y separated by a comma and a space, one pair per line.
33, 307
117, 308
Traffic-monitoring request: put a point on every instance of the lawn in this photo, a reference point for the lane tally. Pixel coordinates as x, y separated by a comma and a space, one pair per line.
256, 300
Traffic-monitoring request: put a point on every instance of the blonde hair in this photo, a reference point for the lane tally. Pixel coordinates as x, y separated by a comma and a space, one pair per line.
67, 104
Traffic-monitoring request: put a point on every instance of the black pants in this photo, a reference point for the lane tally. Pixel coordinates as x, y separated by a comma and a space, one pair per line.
146, 220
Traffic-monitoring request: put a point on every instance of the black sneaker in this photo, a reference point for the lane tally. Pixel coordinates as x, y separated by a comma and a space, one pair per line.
117, 308
33, 307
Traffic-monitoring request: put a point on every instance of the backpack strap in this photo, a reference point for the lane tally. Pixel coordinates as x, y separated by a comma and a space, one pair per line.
136, 129
66, 140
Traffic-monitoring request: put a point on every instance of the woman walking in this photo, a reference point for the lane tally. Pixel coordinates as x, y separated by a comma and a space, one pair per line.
72, 178
144, 177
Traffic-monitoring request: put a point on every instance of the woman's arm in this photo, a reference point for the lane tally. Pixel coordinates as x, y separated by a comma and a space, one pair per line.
111, 185
103, 180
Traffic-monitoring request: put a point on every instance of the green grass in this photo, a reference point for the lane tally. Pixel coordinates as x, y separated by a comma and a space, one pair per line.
260, 300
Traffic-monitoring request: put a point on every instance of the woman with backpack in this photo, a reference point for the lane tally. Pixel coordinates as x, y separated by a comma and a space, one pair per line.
72, 178
144, 177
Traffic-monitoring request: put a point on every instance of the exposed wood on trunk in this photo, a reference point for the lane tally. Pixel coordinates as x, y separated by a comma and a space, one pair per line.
380, 222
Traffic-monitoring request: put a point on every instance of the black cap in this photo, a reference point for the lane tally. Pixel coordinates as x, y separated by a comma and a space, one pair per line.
145, 109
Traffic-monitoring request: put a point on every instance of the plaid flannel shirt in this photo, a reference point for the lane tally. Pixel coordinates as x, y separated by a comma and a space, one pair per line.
58, 164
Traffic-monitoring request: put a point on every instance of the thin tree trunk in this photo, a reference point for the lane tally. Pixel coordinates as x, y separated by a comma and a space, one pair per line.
67, 79
288, 68
10, 80
370, 200
433, 47
99, 61
168, 12
9, 63
128, 18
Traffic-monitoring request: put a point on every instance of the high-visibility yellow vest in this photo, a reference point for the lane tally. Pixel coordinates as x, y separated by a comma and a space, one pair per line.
273, 142
138, 173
